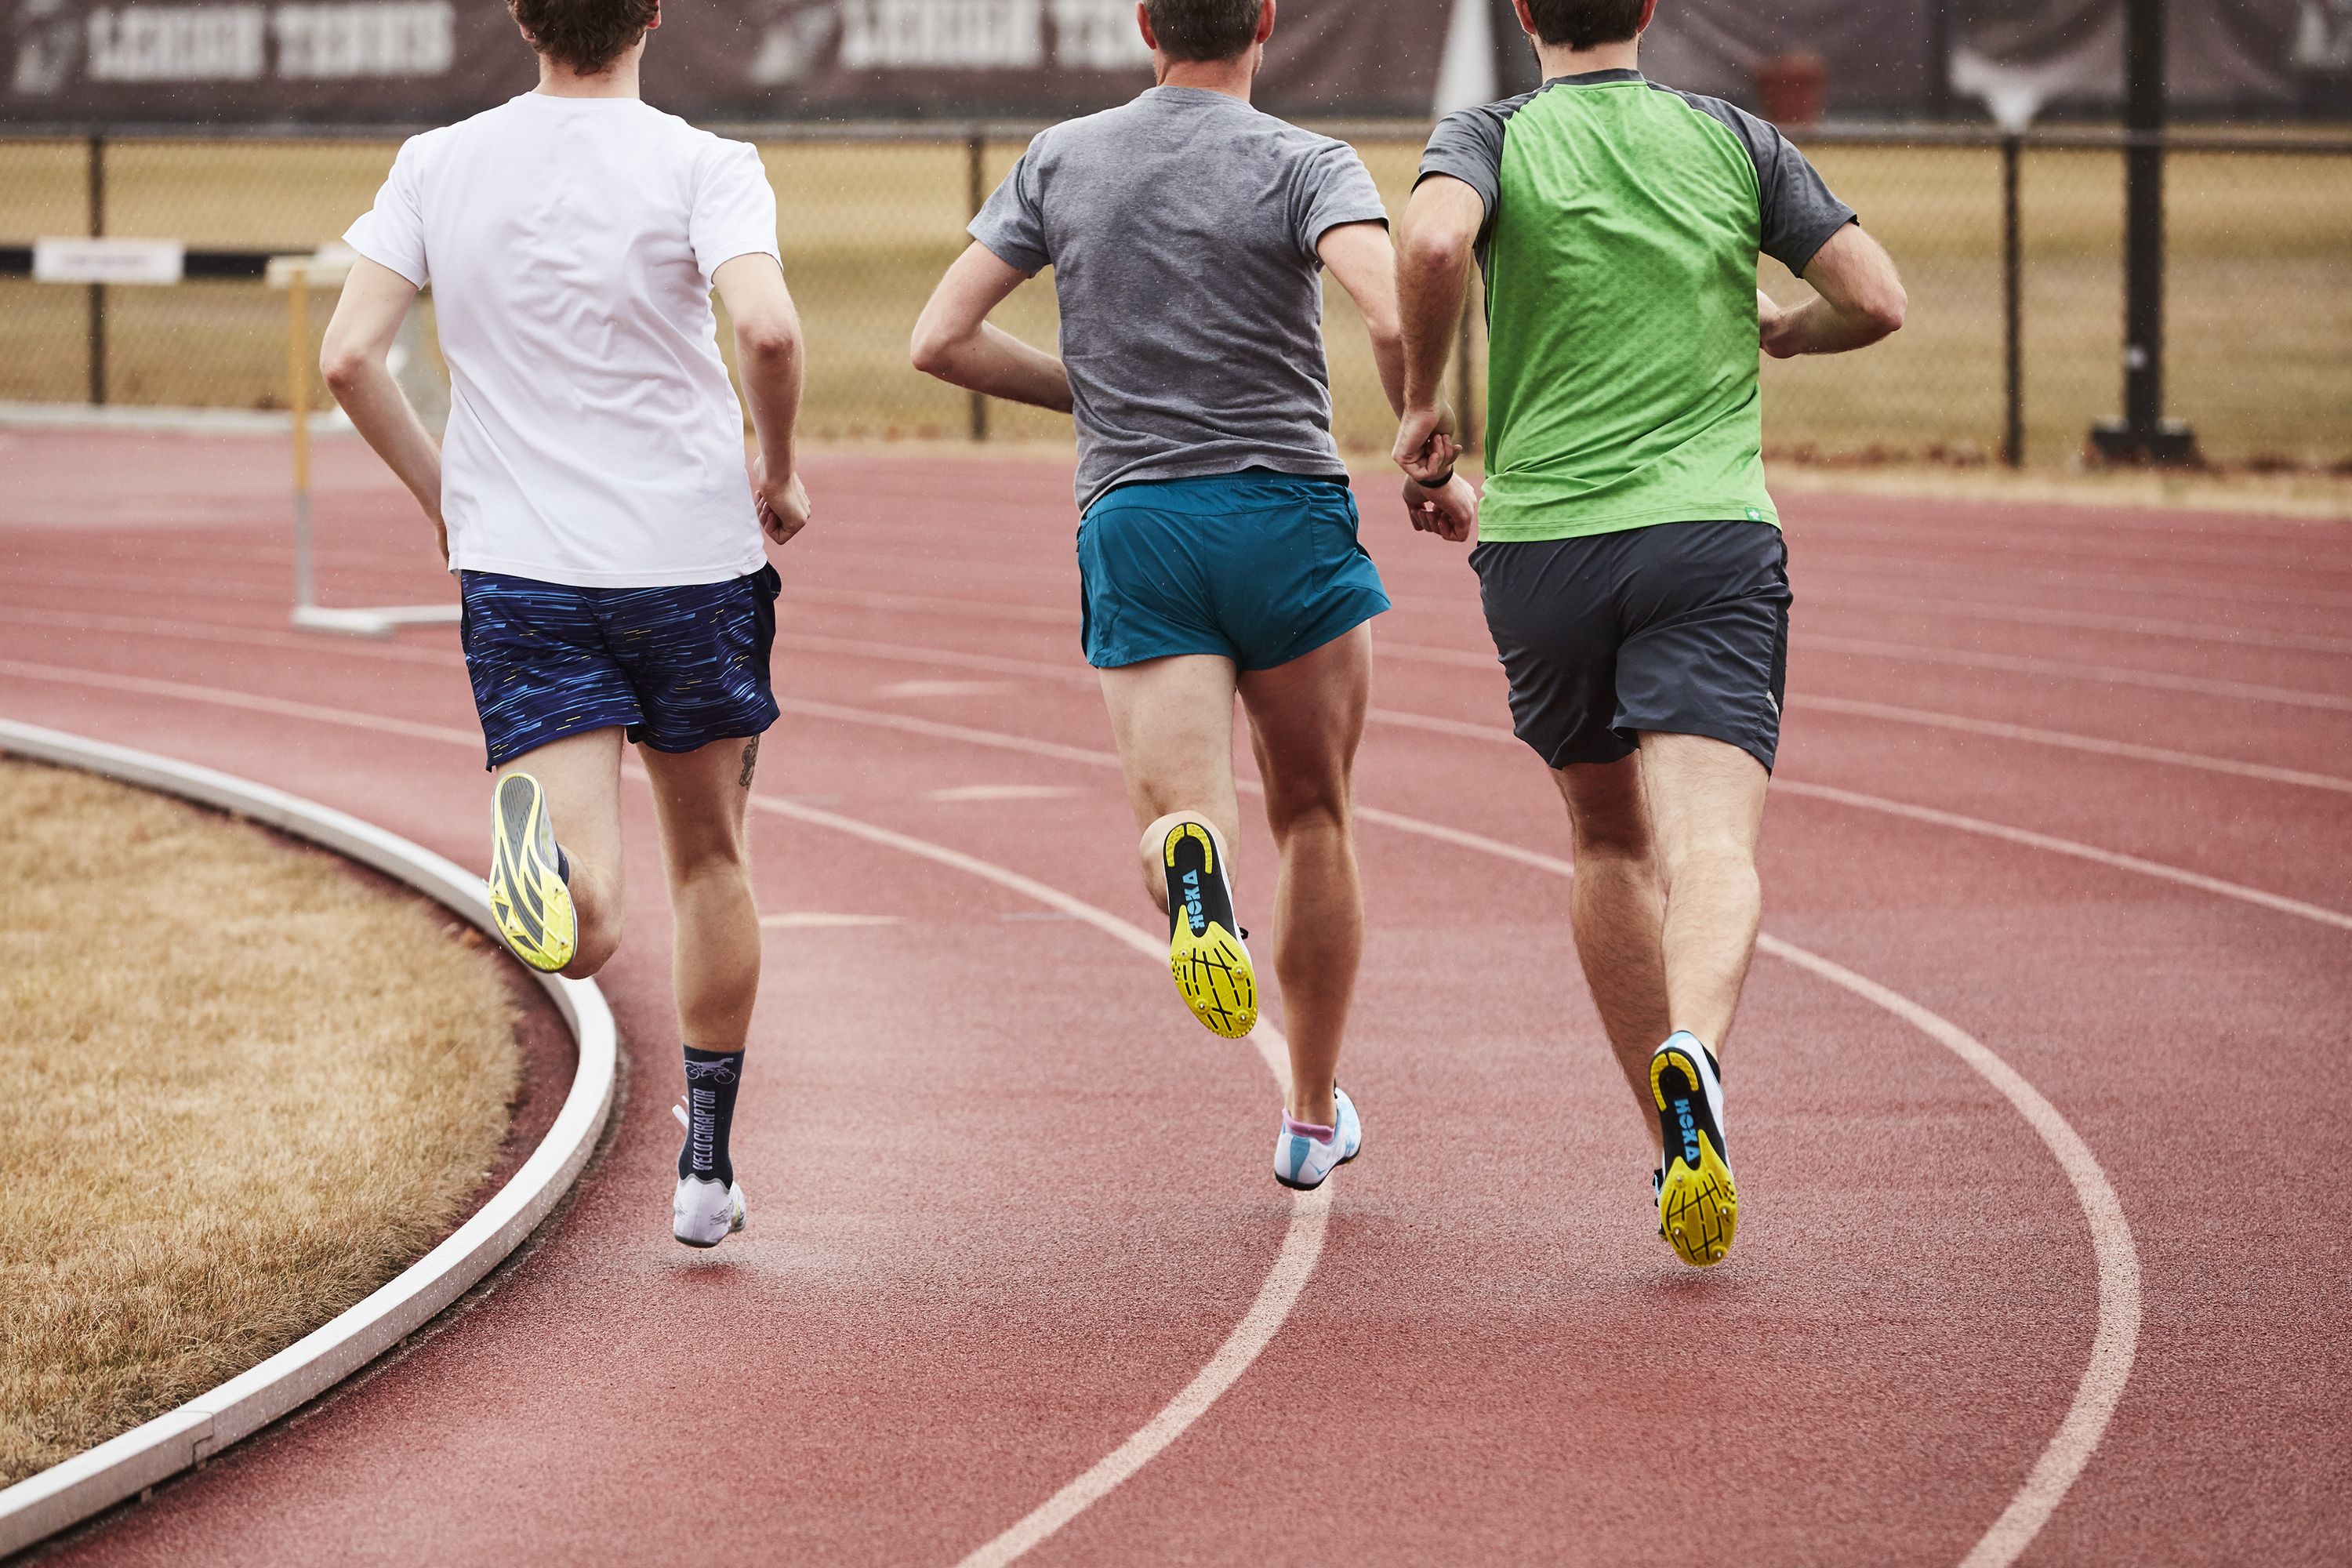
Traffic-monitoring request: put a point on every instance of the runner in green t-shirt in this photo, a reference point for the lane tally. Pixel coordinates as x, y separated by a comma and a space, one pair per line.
1618, 223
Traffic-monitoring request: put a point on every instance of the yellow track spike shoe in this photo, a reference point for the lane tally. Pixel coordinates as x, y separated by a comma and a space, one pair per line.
529, 897
1699, 1207
1204, 943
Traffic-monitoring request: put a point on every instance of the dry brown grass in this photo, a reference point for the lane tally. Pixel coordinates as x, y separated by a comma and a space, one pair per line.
239, 1089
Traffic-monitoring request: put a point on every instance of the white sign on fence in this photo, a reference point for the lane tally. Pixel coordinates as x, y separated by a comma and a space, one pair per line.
108, 260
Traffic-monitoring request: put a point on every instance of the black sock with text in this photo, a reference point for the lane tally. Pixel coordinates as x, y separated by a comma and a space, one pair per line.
711, 1078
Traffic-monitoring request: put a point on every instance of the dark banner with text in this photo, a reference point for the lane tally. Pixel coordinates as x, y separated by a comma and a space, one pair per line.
359, 62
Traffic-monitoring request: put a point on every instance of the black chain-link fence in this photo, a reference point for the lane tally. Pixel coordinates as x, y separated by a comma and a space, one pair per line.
2259, 298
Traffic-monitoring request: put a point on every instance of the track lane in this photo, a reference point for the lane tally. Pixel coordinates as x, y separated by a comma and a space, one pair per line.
1889, 882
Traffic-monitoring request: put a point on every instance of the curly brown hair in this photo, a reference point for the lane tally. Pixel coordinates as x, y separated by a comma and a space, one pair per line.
584, 35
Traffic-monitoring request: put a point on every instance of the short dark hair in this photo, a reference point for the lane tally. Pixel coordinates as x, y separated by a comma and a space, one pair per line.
1586, 24
1203, 29
584, 35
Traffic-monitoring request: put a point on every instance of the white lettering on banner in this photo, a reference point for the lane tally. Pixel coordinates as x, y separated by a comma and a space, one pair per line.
1097, 36
967, 35
322, 42
176, 43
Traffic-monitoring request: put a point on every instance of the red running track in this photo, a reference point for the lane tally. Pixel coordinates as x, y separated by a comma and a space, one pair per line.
1008, 1200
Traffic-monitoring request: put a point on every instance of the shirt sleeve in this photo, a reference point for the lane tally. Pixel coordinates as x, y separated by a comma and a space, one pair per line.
1333, 188
1467, 145
392, 233
1797, 211
734, 209
1012, 222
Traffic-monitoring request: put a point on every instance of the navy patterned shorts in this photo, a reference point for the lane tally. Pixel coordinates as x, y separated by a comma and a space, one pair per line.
677, 668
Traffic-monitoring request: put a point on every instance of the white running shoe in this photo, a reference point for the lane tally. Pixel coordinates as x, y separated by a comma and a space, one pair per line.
1304, 1154
703, 1213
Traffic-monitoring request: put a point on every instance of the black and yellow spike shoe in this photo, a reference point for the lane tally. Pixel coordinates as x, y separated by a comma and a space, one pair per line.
1699, 1207
529, 898
1205, 955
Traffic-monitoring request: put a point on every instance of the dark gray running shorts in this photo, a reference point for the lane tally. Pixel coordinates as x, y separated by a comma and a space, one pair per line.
1681, 627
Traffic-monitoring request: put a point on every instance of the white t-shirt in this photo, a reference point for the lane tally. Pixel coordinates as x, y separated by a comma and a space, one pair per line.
593, 438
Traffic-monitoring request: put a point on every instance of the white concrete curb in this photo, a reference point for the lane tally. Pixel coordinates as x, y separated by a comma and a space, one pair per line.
122, 1467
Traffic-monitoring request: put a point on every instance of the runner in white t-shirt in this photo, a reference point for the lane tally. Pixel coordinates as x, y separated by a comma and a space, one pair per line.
593, 495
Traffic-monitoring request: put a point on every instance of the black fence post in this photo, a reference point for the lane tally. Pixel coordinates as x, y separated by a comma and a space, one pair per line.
97, 290
2144, 434
2012, 310
975, 171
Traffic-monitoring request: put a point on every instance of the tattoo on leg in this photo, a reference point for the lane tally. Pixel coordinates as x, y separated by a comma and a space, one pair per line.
750, 762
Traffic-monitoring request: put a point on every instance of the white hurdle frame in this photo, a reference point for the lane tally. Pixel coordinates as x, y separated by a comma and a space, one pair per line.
296, 273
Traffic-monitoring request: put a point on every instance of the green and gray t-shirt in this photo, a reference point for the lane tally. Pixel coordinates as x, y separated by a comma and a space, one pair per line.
1623, 220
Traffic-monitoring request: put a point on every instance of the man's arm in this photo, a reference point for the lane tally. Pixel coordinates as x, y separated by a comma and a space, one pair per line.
954, 342
768, 357
375, 299
1434, 253
1858, 300
1359, 256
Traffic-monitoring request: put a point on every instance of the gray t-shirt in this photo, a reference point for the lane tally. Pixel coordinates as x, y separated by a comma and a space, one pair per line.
1181, 229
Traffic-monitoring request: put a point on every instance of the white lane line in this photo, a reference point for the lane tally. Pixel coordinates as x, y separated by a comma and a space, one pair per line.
2116, 1340
2031, 839
1929, 603
2111, 674
2113, 1342
813, 919
1302, 1241
1303, 1236
1059, 751
2073, 742
1496, 735
1081, 676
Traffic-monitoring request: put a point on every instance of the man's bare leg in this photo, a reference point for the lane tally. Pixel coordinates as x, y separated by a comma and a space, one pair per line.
1172, 721
1307, 718
1620, 904
1705, 806
580, 776
699, 797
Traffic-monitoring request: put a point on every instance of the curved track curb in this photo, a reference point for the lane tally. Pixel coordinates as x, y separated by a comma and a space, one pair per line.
121, 1467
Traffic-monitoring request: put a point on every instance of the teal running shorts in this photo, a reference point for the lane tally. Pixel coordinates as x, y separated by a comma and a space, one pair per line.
1258, 566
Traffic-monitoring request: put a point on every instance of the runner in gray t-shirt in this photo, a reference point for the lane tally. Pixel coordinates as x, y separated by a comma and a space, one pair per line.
1188, 235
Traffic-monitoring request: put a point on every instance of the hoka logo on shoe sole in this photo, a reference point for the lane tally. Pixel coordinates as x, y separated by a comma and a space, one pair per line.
1192, 915
1690, 1133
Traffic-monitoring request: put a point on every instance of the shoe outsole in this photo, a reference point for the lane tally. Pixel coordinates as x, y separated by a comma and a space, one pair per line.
529, 901
1211, 968
1698, 1209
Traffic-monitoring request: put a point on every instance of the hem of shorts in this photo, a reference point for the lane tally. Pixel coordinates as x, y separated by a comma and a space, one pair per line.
709, 740
566, 577
1752, 743
1121, 660
1546, 533
497, 754
1325, 635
